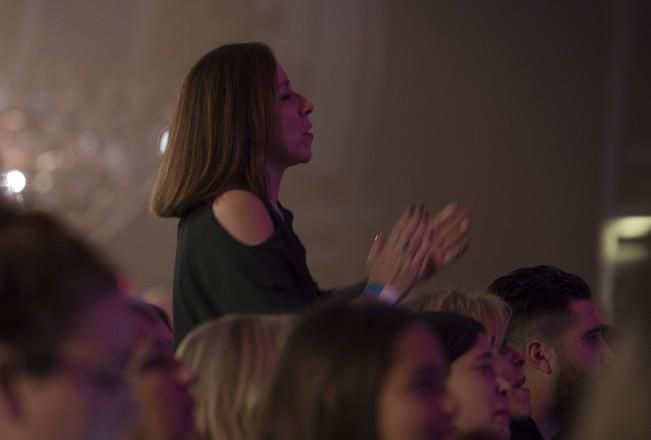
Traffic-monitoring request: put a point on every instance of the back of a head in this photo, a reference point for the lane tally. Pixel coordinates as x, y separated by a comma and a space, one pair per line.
233, 357
151, 312
329, 375
456, 333
48, 277
491, 311
539, 298
224, 122
152, 328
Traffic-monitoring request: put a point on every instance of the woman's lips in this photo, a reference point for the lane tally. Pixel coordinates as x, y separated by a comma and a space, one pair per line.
520, 382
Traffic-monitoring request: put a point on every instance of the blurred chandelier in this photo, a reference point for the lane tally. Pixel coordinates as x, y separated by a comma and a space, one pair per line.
83, 151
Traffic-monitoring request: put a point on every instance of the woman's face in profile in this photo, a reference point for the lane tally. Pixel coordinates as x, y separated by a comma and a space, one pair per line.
294, 145
508, 366
161, 388
414, 403
472, 383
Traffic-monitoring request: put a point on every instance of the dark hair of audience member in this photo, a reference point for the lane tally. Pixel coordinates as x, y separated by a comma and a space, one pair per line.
65, 336
330, 374
539, 298
456, 333
47, 277
152, 312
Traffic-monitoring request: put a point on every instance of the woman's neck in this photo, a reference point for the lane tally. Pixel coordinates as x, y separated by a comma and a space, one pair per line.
274, 177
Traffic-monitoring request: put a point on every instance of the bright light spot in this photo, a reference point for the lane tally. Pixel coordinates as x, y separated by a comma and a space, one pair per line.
624, 228
632, 227
14, 181
631, 253
163, 141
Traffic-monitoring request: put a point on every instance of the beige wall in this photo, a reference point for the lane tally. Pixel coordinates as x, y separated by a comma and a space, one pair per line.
499, 106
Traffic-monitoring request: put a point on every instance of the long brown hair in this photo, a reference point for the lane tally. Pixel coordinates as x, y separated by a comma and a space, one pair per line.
224, 122
329, 376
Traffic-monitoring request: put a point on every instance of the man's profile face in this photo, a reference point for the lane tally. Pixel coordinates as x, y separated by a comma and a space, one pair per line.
582, 353
584, 348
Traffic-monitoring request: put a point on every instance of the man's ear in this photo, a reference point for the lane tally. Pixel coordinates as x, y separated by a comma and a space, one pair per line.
539, 356
9, 408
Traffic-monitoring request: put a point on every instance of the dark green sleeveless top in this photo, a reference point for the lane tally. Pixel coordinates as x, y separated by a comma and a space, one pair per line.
215, 274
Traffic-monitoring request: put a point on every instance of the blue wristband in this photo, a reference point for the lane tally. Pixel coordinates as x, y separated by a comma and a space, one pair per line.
383, 292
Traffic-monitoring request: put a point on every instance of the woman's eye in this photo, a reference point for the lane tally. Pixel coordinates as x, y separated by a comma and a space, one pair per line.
486, 369
423, 386
591, 339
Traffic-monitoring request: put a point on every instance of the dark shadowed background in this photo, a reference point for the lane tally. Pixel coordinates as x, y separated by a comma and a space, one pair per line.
533, 114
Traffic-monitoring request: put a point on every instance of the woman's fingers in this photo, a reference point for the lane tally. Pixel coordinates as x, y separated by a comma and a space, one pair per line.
456, 222
406, 227
418, 245
454, 252
422, 256
399, 226
391, 262
376, 247
414, 242
450, 235
443, 216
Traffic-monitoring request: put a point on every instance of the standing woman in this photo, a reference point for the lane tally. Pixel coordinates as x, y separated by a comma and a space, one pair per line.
237, 127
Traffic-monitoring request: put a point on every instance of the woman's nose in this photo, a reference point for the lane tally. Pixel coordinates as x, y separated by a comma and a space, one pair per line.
448, 404
186, 375
503, 385
307, 106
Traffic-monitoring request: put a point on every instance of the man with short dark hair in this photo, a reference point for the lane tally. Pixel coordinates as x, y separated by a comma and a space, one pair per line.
559, 333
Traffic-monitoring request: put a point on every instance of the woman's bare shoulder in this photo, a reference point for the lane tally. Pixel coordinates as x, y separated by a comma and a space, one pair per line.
244, 216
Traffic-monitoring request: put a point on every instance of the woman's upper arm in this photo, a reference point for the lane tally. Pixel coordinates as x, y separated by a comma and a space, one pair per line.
244, 216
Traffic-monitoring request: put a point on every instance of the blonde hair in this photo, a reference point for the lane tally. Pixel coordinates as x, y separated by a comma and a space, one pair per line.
493, 312
233, 357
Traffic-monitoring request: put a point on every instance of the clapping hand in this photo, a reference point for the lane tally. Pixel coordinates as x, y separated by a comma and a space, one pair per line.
419, 246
